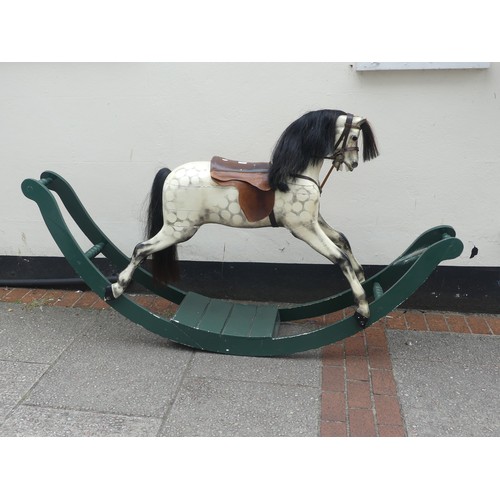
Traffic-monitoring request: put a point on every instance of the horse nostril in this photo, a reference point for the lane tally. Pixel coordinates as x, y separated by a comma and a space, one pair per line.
354, 164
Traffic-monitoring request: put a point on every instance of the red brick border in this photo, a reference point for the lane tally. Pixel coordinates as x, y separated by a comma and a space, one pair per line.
358, 394
79, 299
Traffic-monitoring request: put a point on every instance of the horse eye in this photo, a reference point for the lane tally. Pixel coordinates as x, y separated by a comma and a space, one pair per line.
354, 137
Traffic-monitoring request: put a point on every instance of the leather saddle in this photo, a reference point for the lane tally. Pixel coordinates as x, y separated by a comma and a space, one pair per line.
256, 197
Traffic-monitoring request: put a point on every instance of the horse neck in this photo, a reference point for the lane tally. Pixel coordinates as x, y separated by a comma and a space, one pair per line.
313, 170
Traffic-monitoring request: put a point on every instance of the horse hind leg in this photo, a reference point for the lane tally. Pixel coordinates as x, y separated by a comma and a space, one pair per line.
341, 241
319, 241
141, 251
162, 240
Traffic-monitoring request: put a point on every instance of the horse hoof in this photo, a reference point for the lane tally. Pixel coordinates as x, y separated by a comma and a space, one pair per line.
108, 294
362, 320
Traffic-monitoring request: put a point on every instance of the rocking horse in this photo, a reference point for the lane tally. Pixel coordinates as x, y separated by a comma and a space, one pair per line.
282, 193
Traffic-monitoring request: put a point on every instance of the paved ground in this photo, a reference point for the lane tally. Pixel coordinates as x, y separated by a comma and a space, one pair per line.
71, 366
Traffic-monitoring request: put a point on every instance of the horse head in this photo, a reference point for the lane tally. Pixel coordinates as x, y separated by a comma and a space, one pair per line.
348, 129
317, 135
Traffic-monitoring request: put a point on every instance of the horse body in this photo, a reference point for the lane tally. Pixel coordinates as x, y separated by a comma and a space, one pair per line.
187, 197
191, 198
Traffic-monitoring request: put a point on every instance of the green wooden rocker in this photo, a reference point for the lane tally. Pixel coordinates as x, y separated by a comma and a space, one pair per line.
222, 326
282, 193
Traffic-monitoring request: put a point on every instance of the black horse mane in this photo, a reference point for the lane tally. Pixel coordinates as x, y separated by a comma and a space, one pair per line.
310, 139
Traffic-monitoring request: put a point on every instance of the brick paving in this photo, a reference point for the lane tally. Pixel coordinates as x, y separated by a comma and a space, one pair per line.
359, 395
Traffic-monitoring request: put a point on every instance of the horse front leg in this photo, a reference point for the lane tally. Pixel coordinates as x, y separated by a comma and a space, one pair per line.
341, 241
316, 238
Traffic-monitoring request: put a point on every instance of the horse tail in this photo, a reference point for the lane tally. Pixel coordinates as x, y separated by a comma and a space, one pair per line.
165, 266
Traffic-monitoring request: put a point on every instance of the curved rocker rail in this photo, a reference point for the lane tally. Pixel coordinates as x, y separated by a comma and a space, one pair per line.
222, 326
39, 191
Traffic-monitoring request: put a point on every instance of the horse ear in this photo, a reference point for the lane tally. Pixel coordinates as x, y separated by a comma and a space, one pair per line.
357, 121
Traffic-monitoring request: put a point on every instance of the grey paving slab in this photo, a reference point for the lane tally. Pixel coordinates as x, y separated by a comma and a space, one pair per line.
16, 379
104, 376
448, 384
32, 421
466, 348
118, 367
212, 407
38, 334
243, 396
300, 369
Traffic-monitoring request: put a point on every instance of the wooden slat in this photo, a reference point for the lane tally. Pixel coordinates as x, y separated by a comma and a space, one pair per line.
226, 318
240, 322
192, 309
251, 321
215, 316
265, 322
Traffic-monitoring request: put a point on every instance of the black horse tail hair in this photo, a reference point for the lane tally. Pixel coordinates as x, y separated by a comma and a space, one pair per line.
165, 266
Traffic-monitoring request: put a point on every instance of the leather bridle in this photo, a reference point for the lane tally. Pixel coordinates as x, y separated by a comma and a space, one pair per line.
340, 148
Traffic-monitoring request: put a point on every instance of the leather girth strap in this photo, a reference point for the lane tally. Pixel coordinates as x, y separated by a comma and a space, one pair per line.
256, 197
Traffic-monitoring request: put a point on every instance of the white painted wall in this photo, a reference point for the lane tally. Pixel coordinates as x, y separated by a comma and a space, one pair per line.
107, 128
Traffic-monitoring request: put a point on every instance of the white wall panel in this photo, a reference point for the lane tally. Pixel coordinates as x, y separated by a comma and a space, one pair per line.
107, 128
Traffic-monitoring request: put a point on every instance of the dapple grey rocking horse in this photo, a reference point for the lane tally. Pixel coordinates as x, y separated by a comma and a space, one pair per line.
283, 193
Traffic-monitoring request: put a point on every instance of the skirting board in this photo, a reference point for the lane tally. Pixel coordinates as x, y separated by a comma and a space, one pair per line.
450, 288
